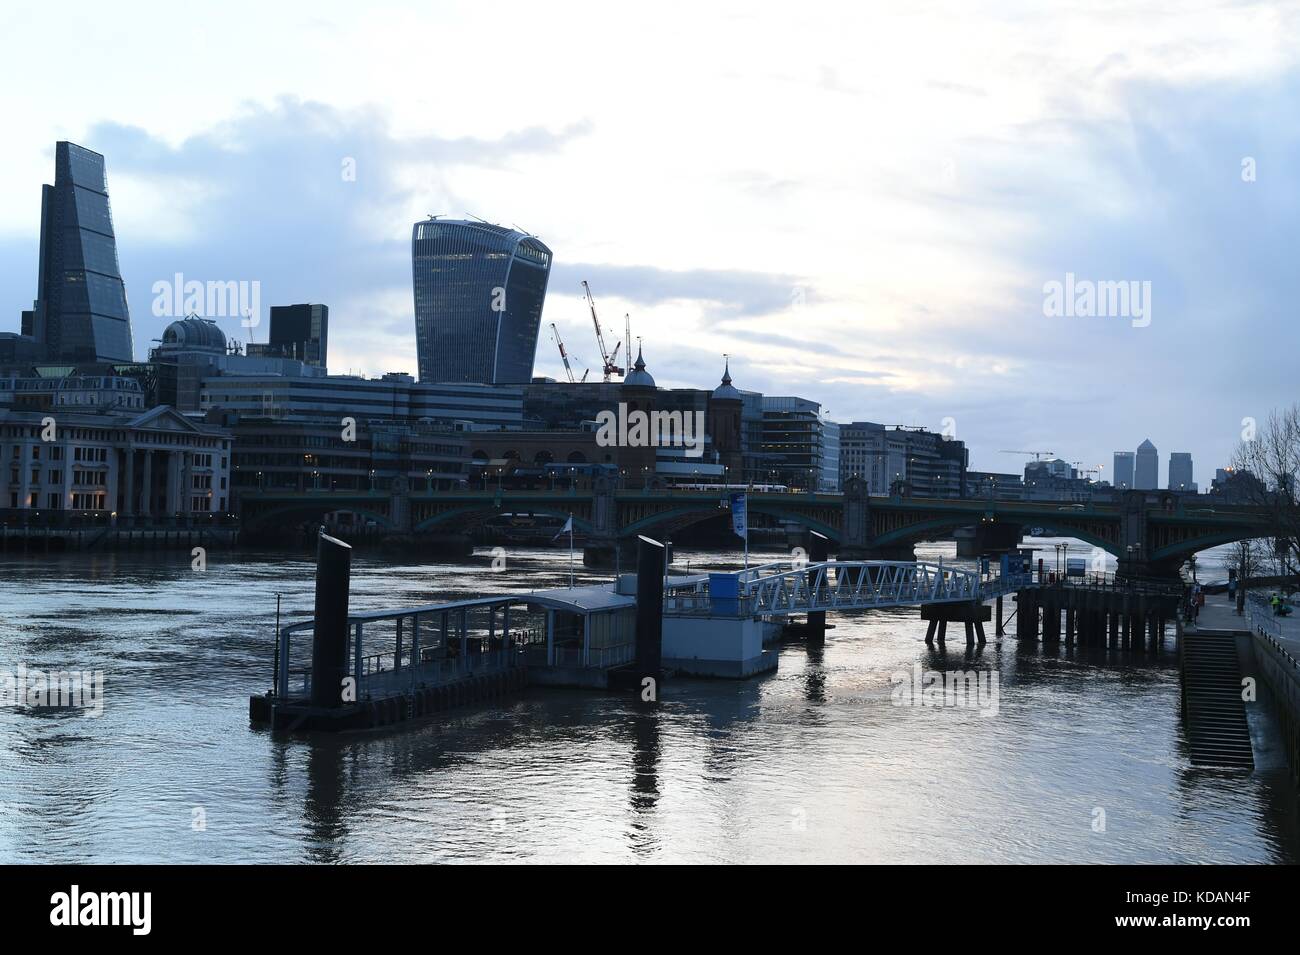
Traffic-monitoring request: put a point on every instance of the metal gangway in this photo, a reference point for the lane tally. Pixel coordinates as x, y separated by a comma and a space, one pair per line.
787, 587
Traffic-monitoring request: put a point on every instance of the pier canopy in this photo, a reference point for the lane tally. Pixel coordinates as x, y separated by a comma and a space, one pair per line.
578, 628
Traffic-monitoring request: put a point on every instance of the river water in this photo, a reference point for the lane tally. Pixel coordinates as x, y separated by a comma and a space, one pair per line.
1083, 760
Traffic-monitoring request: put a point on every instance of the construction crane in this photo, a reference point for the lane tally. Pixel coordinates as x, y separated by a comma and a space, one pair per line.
610, 368
627, 337
1079, 468
564, 356
1037, 455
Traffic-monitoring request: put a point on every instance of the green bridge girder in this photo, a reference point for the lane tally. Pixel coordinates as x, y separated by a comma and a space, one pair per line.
1165, 533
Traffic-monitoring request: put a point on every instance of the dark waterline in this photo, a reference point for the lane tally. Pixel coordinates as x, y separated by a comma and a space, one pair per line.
812, 763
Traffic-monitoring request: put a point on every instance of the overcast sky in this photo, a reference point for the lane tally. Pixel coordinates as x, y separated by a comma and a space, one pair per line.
861, 207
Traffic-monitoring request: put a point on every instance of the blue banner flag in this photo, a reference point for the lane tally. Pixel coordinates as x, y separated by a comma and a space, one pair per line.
739, 517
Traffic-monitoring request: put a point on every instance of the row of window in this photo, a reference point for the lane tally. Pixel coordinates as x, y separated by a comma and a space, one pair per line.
96, 501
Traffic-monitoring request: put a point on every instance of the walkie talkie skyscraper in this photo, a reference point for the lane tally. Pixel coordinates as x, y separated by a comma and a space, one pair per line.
479, 290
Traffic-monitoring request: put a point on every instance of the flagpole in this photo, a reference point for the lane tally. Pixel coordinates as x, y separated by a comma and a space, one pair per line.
746, 535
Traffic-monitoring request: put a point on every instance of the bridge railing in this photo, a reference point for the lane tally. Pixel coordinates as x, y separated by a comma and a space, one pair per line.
829, 585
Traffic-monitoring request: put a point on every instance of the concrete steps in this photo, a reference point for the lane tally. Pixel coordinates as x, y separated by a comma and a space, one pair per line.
1213, 712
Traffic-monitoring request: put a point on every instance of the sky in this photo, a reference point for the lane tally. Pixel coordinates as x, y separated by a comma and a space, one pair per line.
862, 204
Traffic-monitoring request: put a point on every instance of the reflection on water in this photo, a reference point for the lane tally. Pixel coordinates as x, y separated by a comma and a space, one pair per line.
811, 763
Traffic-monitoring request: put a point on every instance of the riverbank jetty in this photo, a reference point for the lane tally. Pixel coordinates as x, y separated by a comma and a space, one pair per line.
345, 671
348, 671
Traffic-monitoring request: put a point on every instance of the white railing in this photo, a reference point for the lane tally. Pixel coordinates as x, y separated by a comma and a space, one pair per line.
859, 584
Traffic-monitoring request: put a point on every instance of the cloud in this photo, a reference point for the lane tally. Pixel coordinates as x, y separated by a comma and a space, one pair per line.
314, 203
913, 189
725, 292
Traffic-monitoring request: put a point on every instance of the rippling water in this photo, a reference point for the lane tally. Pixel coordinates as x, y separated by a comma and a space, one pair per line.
811, 763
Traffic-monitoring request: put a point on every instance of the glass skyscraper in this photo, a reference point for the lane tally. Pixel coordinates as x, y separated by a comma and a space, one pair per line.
479, 290
80, 313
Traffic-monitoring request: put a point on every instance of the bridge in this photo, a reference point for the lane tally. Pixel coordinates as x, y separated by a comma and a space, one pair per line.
1099, 610
789, 587
1151, 534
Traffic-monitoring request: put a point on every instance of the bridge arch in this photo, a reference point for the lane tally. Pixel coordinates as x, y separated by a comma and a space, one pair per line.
690, 513
939, 526
475, 514
307, 510
1194, 545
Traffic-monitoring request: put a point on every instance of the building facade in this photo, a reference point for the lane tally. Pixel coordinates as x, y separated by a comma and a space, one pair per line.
479, 291
1180, 472
393, 397
145, 467
994, 486
929, 464
1123, 473
80, 313
1146, 471
299, 332
830, 473
792, 447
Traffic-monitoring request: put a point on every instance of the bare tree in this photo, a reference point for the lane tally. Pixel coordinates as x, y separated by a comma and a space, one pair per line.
1271, 454
1249, 558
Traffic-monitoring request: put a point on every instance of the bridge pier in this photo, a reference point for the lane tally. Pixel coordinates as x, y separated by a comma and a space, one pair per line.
1027, 616
972, 615
816, 620
1051, 619
903, 552
607, 554
998, 538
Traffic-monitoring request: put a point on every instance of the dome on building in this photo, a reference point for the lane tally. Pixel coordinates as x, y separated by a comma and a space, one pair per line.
725, 391
194, 334
639, 377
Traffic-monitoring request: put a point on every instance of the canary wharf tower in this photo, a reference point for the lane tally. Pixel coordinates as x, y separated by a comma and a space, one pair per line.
80, 313
479, 290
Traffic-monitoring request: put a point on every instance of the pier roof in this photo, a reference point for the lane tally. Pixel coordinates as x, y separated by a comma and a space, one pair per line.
580, 600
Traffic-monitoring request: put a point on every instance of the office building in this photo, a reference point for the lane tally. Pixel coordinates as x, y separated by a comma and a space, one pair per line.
830, 474
478, 290
1180, 472
80, 314
194, 349
792, 442
1232, 486
1146, 471
1123, 473
994, 486
392, 397
299, 332
923, 462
